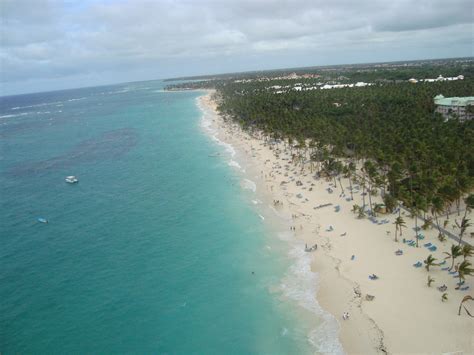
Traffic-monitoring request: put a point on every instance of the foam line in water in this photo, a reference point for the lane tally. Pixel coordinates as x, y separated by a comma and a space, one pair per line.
300, 284
249, 185
234, 164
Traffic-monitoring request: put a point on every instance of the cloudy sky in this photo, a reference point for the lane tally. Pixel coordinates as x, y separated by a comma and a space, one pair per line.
47, 45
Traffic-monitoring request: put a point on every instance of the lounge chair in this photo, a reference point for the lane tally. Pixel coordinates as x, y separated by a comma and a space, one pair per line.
445, 268
427, 245
465, 288
399, 252
432, 248
418, 264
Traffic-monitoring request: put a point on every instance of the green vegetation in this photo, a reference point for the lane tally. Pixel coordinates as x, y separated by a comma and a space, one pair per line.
444, 297
382, 137
456, 251
389, 130
430, 281
399, 224
430, 261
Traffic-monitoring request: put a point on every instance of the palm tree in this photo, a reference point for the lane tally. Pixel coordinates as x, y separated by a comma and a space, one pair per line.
355, 208
465, 299
399, 224
465, 224
436, 209
464, 269
444, 297
430, 261
349, 171
371, 172
467, 251
339, 169
455, 252
430, 281
469, 200
418, 206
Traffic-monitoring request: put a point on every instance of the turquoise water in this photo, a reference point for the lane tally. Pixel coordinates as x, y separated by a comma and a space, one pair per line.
152, 252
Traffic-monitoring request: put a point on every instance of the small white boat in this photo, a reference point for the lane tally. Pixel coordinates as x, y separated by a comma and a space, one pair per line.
71, 179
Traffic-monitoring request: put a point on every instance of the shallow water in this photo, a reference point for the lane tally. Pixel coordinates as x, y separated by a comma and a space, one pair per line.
159, 248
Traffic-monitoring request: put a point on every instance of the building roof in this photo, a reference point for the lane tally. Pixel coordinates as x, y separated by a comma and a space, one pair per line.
453, 101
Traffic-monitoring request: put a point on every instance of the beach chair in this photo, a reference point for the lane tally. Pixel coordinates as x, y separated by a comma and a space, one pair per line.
432, 248
465, 288
427, 245
418, 264
445, 268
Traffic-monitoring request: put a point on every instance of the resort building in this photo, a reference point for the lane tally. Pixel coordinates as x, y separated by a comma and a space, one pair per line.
450, 107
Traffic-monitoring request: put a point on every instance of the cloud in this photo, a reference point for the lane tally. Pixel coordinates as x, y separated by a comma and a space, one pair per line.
63, 39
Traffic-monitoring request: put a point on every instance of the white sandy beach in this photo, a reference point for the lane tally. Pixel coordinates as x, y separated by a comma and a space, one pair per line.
406, 316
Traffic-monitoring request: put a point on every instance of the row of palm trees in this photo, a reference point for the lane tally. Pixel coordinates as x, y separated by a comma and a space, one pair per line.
384, 137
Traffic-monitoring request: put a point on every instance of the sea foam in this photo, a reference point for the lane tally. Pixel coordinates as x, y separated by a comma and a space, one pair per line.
300, 284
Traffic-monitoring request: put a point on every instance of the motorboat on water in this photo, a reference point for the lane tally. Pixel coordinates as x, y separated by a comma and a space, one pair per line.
42, 220
71, 179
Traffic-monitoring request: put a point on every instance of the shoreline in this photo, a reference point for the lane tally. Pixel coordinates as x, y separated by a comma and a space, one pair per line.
385, 324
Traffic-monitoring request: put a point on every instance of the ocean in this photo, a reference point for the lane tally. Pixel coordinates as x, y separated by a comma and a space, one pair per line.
158, 249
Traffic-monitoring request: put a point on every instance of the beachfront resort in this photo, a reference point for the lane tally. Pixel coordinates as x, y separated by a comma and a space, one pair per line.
389, 228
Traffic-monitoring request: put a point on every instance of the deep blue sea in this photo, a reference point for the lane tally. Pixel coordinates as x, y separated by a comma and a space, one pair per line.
153, 250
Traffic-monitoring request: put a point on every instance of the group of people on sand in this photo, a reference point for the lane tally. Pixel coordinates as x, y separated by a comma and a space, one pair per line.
345, 315
277, 203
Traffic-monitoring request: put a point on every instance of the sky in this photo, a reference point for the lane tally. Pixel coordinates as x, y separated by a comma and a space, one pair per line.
50, 45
